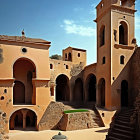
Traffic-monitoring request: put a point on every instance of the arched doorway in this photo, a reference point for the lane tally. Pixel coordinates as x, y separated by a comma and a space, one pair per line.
78, 90
19, 93
23, 119
62, 88
124, 93
101, 92
123, 33
91, 87
23, 72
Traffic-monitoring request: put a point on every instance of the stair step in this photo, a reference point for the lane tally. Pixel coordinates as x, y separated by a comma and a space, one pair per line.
112, 138
122, 131
123, 123
123, 127
119, 135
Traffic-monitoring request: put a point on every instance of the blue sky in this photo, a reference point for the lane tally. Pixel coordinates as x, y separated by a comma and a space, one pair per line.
63, 22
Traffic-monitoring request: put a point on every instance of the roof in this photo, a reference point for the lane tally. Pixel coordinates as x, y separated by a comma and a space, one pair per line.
77, 49
23, 39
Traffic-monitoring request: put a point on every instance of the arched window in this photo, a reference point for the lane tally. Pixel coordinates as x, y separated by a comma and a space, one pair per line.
69, 57
121, 59
65, 55
51, 66
102, 36
67, 67
78, 54
123, 33
103, 61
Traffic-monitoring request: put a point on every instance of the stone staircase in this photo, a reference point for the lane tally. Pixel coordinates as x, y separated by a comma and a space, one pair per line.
121, 127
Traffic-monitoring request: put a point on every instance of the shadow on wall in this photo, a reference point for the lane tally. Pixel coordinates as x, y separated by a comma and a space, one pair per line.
1, 56
123, 87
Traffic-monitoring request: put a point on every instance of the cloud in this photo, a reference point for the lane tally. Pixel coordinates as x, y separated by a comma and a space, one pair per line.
72, 28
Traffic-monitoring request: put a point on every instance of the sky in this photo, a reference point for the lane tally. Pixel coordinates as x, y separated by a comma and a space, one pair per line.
63, 22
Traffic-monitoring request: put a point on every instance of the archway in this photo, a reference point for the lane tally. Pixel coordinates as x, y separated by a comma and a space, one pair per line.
124, 93
78, 90
23, 72
23, 119
123, 33
101, 92
19, 93
62, 88
91, 87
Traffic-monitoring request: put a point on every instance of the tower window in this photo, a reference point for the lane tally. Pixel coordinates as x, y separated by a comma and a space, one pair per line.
102, 5
51, 66
5, 90
78, 54
123, 33
69, 57
120, 3
121, 59
102, 36
103, 61
65, 55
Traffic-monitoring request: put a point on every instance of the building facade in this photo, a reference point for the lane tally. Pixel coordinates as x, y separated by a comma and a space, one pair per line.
30, 80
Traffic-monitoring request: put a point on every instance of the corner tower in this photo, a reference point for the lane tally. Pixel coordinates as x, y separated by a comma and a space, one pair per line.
115, 46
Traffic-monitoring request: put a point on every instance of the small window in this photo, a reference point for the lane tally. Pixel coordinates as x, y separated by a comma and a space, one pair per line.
24, 50
2, 98
67, 67
103, 61
5, 90
51, 66
122, 59
78, 54
102, 5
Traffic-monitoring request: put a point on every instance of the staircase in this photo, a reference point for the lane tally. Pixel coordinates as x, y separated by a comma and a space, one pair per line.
121, 128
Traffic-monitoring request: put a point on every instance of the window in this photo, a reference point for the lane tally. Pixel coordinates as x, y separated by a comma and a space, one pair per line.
67, 67
103, 61
24, 50
121, 59
102, 5
123, 33
78, 54
102, 35
2, 98
5, 90
51, 66
65, 55
69, 57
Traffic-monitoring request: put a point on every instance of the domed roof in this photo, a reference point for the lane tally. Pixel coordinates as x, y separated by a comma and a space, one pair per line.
59, 136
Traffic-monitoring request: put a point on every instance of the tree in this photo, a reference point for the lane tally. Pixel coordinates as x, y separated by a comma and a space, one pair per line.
56, 56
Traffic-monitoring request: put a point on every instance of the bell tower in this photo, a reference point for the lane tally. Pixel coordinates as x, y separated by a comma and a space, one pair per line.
115, 46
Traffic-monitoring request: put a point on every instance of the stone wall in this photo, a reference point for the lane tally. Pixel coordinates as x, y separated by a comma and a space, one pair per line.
3, 122
135, 74
52, 116
76, 121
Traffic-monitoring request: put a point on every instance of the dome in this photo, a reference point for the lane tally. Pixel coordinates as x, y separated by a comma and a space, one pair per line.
59, 136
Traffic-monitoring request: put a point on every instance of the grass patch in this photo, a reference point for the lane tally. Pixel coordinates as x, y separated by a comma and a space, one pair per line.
76, 110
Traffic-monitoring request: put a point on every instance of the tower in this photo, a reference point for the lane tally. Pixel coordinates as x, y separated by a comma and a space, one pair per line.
115, 46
